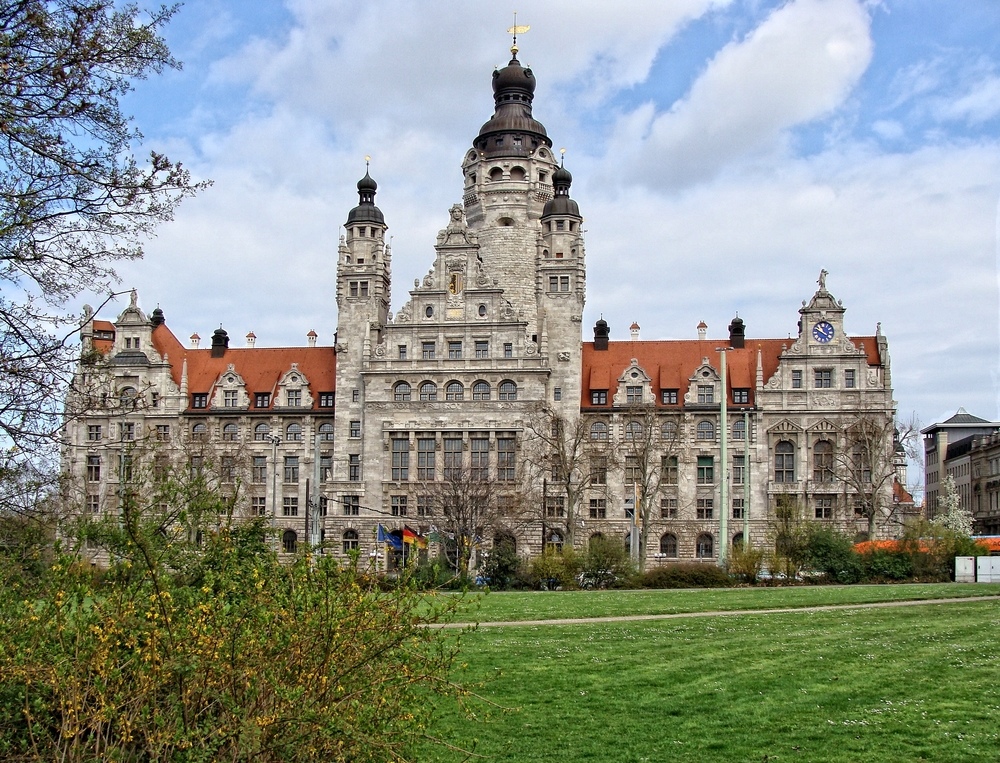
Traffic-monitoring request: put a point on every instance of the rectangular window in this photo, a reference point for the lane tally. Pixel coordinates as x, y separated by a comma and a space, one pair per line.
557, 394
823, 378
668, 396
326, 399
258, 470
324, 508
262, 400
553, 283
400, 459
163, 432
199, 400
94, 433
325, 468
706, 394
194, 466
230, 398
427, 350
796, 380
425, 458
228, 465
128, 432
425, 506
258, 506
454, 350
706, 470
668, 467
668, 508
737, 508
598, 397
849, 382
506, 471
482, 349
741, 396
355, 395
154, 400
633, 395
291, 469
293, 397
739, 468
354, 467
632, 471
355, 429
555, 506
598, 508
480, 452
290, 506
452, 458
599, 470
704, 508
402, 352
508, 350
563, 282
824, 507
352, 505
397, 505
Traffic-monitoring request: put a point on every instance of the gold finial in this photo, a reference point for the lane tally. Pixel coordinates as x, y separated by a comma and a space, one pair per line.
516, 30
368, 160
562, 156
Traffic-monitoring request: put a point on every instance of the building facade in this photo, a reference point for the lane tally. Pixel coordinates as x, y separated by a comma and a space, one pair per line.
680, 448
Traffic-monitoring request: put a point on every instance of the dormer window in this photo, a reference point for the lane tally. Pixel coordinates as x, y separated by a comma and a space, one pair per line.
262, 400
633, 395
706, 394
199, 400
230, 398
293, 398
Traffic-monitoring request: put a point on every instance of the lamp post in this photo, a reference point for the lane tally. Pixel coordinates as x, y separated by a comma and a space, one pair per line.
724, 456
275, 442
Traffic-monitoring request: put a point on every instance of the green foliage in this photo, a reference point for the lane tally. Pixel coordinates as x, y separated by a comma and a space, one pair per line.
605, 564
745, 563
788, 534
554, 569
827, 551
685, 576
881, 566
933, 549
216, 653
502, 567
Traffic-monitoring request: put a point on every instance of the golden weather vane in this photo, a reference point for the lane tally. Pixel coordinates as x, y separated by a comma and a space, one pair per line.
516, 30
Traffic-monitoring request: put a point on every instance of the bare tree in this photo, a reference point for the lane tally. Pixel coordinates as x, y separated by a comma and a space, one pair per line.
866, 466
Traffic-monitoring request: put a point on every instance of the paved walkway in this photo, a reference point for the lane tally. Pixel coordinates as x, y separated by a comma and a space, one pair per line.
720, 613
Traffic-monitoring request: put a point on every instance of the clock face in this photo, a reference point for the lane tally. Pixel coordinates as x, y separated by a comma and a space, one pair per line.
823, 332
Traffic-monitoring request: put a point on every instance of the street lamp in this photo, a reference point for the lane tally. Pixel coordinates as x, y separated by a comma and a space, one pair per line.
275, 442
724, 456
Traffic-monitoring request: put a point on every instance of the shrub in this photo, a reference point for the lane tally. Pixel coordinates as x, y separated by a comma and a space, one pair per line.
500, 571
745, 563
606, 563
691, 575
882, 565
554, 569
832, 554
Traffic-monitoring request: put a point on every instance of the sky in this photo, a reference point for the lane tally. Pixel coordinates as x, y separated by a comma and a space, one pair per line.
723, 153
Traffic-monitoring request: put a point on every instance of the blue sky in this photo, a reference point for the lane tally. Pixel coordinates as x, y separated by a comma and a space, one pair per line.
723, 152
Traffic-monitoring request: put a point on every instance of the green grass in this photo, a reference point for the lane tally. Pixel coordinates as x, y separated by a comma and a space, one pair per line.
900, 684
535, 605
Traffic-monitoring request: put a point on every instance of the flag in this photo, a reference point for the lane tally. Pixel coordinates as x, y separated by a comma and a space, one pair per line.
384, 536
412, 536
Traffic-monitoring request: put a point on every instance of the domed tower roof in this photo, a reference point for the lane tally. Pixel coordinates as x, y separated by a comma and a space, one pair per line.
561, 204
366, 211
513, 92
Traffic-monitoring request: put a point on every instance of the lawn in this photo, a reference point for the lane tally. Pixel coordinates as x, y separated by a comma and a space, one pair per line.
900, 684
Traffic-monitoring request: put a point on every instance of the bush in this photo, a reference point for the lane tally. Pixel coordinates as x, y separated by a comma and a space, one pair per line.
832, 554
554, 569
691, 575
745, 563
501, 569
880, 565
605, 564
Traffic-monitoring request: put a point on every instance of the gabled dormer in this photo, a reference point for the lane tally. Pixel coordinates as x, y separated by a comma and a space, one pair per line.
230, 391
635, 387
293, 390
704, 387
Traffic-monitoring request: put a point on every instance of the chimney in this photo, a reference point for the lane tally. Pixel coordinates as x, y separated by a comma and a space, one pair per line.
737, 333
311, 338
702, 329
634, 330
195, 341
220, 342
251, 339
601, 334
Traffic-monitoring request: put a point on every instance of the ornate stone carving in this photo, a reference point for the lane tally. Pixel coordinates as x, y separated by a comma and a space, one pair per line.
564, 356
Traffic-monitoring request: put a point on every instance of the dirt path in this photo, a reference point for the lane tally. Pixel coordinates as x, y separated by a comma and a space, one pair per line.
720, 613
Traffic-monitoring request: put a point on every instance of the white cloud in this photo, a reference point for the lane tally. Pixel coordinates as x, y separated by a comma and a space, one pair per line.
980, 103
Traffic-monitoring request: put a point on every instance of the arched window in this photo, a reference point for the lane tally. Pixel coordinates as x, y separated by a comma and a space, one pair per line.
517, 173
784, 462
633, 430
294, 433
481, 391
401, 392
454, 391
823, 461
598, 431
668, 545
199, 432
739, 429
230, 432
705, 430
738, 540
505, 541
508, 390
554, 542
350, 539
704, 546
595, 538
128, 397
496, 174
326, 432
668, 432
261, 432
428, 392
289, 542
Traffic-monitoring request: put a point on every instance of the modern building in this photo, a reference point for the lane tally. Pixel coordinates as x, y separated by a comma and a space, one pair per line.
483, 375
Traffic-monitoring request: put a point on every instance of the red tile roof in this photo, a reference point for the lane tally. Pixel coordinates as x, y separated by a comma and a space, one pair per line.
672, 363
103, 346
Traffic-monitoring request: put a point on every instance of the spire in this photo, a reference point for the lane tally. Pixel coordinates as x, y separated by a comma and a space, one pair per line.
561, 204
366, 211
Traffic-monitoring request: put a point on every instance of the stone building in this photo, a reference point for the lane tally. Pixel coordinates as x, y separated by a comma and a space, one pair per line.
482, 375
